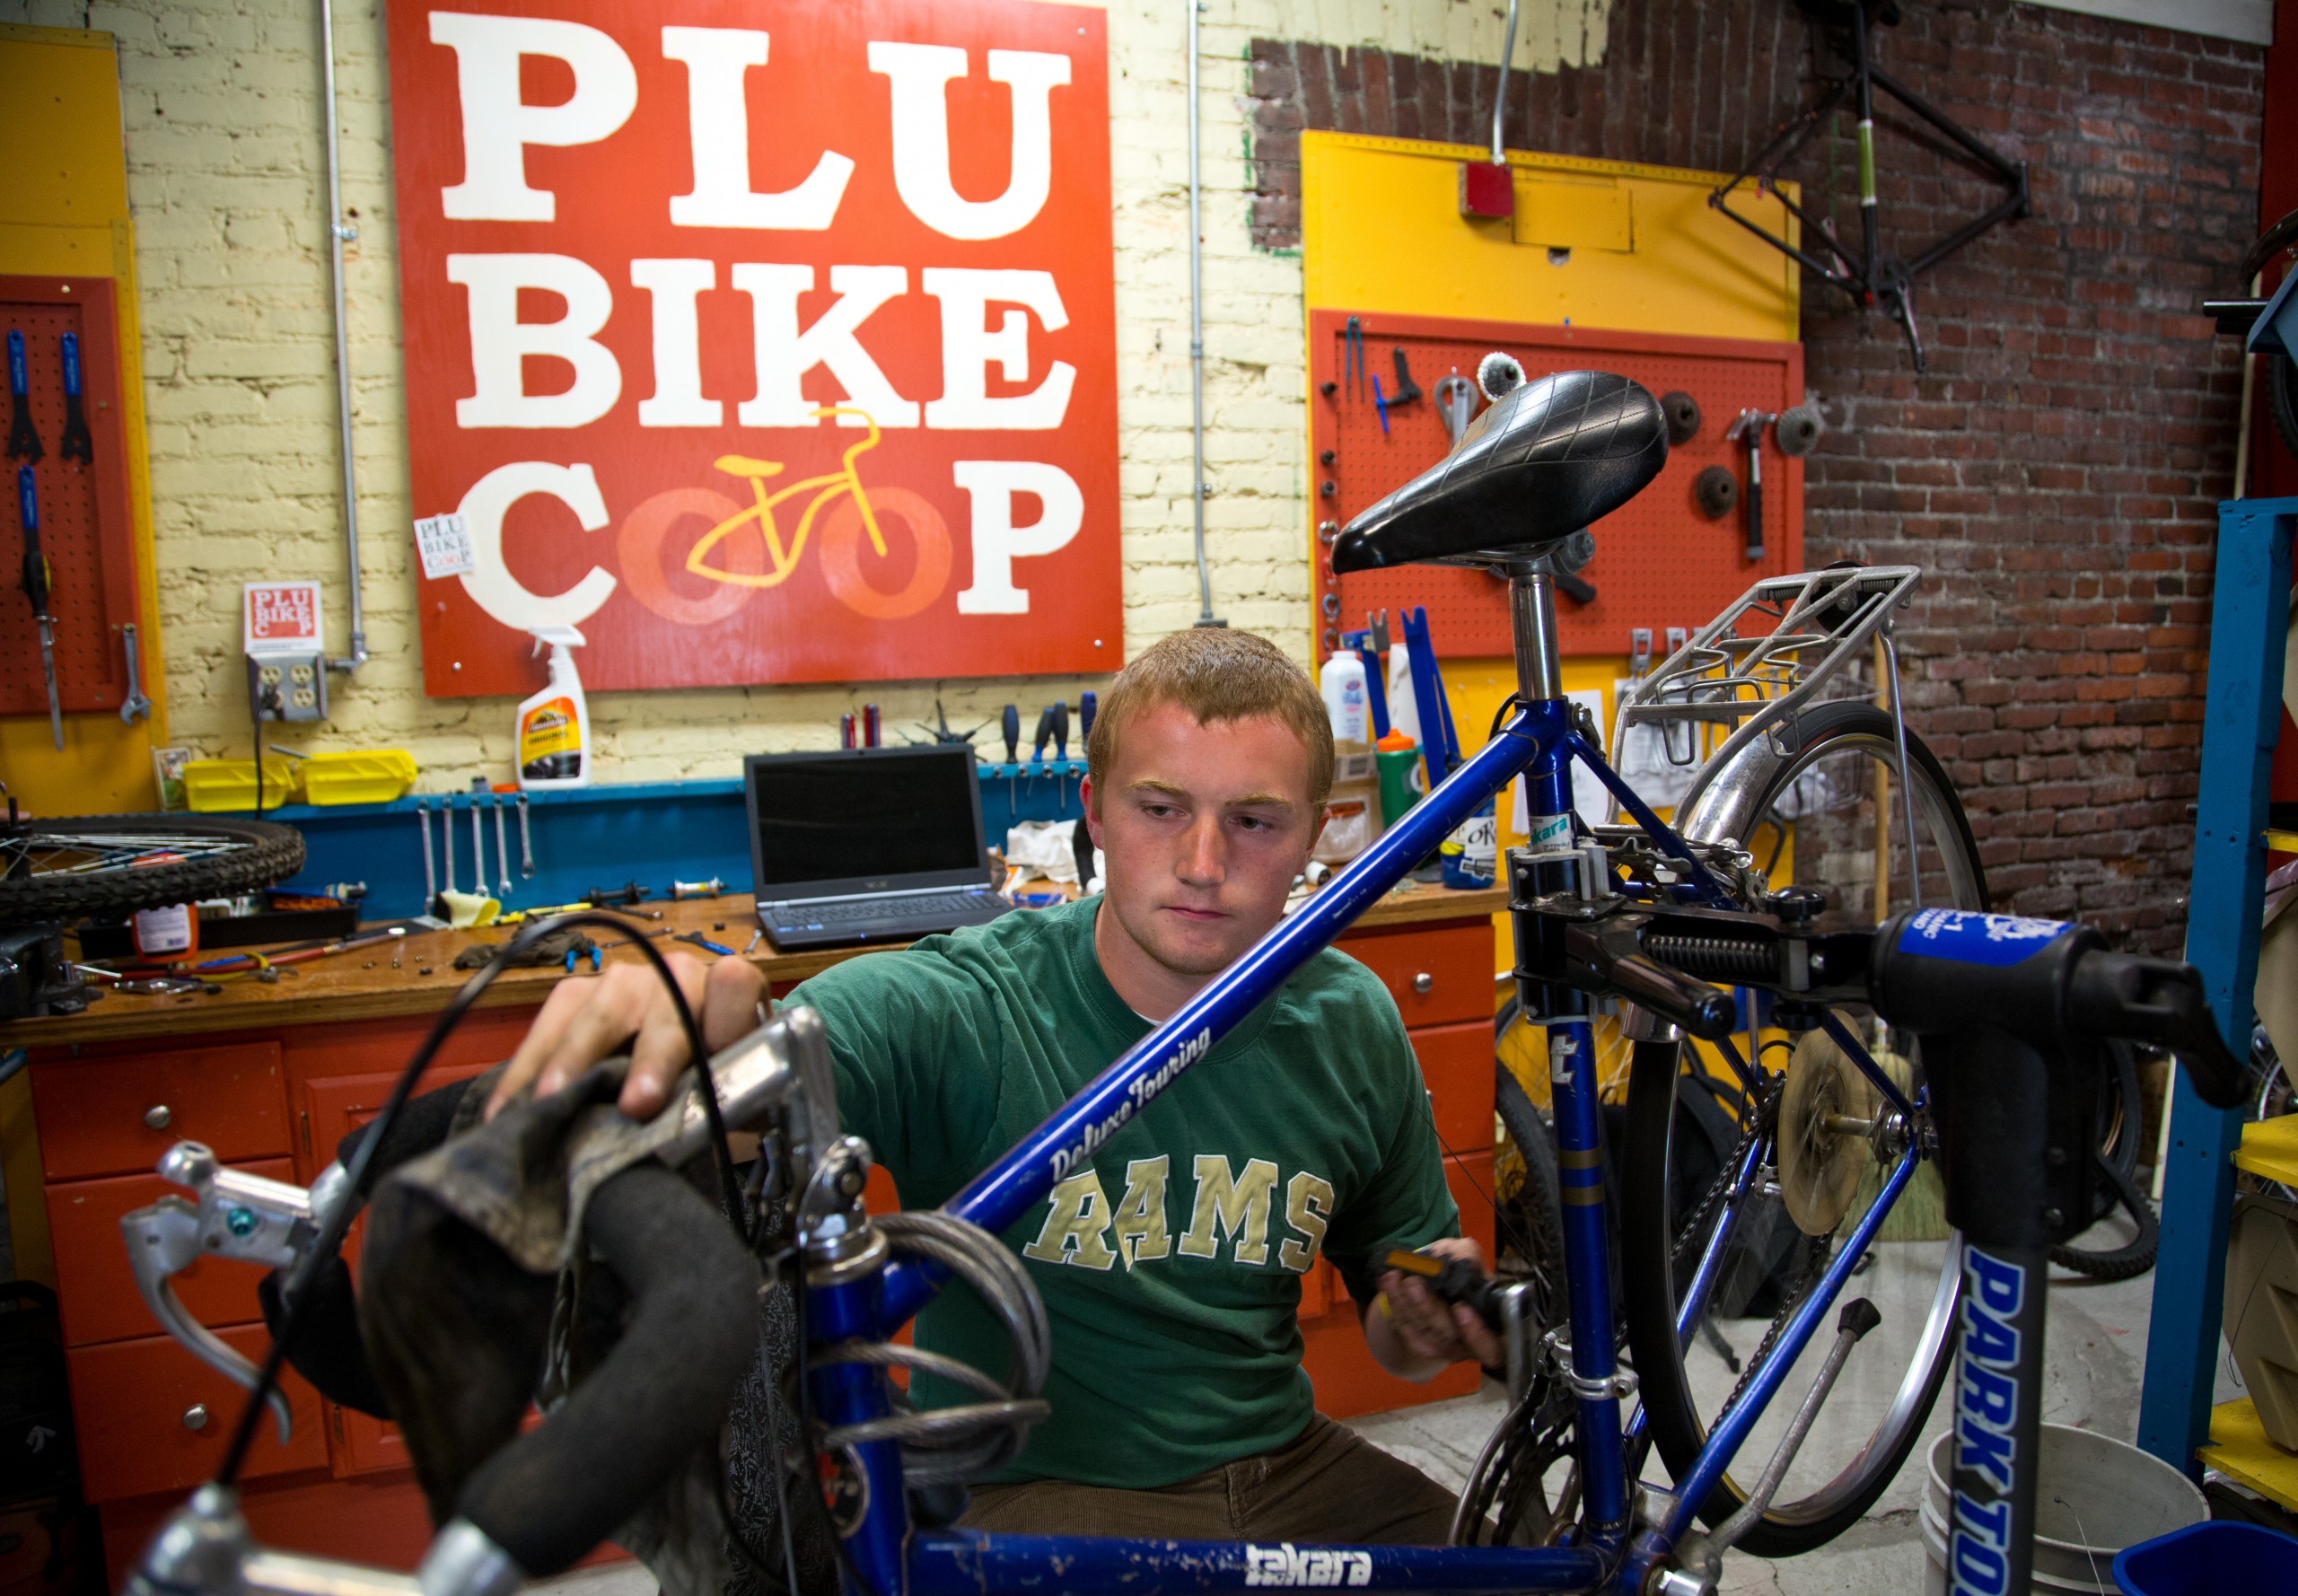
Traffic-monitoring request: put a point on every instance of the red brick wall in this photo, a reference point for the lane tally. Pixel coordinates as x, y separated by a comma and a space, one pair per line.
2056, 469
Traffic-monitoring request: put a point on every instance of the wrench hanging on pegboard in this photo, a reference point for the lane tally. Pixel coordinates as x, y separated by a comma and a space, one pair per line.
1661, 561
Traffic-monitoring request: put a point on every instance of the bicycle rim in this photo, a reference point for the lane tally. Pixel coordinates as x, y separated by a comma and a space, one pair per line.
1880, 1404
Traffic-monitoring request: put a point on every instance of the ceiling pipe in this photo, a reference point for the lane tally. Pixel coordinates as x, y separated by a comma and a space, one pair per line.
1198, 488
339, 234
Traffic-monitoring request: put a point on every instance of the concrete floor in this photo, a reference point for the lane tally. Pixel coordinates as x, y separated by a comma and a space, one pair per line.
2097, 1340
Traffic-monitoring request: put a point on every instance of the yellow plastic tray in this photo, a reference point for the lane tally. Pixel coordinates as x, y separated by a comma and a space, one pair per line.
213, 785
362, 776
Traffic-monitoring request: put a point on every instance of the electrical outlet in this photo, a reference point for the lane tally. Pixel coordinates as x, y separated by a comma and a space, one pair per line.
287, 687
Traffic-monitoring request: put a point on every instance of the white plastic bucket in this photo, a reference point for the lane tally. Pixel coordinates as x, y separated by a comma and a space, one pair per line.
2096, 1496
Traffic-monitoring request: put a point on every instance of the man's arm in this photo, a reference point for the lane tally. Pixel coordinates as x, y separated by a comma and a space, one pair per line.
1415, 1335
587, 1018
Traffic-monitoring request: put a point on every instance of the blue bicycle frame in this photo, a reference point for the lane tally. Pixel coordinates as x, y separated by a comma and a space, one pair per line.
1540, 741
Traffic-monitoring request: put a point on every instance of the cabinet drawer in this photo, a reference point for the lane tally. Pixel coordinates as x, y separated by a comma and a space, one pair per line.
101, 1301
130, 1400
1436, 977
116, 1116
1457, 1062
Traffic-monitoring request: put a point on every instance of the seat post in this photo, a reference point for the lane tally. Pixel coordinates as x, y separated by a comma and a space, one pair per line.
1531, 616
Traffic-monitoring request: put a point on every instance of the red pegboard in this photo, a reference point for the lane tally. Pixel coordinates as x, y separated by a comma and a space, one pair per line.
1658, 562
84, 524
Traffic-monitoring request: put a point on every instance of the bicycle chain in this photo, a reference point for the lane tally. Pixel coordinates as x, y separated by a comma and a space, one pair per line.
1758, 1125
1790, 1300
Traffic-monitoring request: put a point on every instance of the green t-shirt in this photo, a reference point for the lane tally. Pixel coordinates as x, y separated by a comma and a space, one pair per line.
1171, 1267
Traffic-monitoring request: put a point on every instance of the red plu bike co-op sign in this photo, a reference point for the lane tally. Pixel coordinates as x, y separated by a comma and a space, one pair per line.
761, 340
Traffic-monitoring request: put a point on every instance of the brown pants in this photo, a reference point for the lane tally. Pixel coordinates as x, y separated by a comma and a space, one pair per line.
1326, 1484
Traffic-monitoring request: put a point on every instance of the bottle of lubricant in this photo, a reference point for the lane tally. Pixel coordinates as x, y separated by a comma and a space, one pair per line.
555, 724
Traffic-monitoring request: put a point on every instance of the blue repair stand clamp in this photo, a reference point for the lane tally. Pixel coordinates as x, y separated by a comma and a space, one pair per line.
2242, 719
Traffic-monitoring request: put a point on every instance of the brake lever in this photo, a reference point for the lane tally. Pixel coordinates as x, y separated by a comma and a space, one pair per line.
237, 1215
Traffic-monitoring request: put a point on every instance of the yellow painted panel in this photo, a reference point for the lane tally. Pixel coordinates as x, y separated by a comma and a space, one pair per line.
1381, 230
60, 121
2240, 1450
1557, 213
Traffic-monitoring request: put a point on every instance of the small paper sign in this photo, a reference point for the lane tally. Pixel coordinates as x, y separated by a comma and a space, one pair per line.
445, 543
282, 618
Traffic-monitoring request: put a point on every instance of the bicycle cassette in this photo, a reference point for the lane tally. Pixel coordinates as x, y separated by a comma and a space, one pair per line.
1826, 1115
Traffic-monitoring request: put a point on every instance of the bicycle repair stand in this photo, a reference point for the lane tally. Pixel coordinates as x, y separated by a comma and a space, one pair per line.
2241, 721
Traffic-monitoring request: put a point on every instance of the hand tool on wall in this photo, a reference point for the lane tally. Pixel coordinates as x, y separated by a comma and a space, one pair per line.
1440, 746
1353, 358
430, 865
870, 726
1455, 406
1009, 724
526, 841
1749, 430
1381, 404
478, 850
502, 852
1089, 704
23, 437
1038, 738
1408, 389
1060, 750
447, 845
846, 738
76, 445
136, 705
1682, 413
36, 580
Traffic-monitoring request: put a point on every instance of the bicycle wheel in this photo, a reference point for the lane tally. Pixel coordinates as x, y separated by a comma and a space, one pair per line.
1912, 1273
105, 866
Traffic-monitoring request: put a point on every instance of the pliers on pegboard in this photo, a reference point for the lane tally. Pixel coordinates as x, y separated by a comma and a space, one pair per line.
1352, 369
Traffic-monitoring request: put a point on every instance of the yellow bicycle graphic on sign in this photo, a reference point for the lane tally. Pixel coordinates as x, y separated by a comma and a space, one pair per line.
852, 510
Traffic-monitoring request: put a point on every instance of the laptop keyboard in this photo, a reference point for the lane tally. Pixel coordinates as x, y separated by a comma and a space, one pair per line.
921, 908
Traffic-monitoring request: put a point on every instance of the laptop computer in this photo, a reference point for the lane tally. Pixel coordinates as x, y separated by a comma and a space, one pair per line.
867, 845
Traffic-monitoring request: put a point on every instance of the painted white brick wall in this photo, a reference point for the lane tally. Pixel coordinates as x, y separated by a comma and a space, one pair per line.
226, 183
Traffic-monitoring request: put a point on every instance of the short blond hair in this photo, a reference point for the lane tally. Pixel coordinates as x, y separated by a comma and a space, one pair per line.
1216, 675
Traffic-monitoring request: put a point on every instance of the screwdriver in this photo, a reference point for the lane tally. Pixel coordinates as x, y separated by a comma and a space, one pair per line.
1039, 739
1009, 722
1061, 752
1089, 704
36, 584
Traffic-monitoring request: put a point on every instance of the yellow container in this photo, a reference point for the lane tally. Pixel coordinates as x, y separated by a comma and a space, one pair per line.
362, 776
213, 786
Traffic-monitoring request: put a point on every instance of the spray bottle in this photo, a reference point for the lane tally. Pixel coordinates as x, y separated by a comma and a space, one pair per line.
555, 724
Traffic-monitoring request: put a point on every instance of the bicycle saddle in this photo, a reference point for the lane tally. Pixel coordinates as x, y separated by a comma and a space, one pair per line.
1545, 461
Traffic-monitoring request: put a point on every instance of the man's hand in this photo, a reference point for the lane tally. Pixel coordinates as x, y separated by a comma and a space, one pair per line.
587, 1018
1421, 1333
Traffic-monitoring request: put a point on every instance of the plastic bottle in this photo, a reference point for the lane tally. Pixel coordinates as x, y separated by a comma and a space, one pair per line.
1353, 809
555, 724
1343, 681
1404, 709
1403, 781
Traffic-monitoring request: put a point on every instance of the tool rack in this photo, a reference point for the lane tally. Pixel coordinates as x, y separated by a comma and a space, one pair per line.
2241, 721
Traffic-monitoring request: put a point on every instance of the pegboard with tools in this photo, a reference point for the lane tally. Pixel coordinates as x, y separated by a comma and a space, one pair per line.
74, 448
1665, 559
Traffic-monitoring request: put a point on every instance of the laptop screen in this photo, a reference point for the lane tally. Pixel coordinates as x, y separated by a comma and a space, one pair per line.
865, 820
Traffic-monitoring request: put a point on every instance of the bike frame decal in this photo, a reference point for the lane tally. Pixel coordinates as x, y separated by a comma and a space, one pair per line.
1966, 937
969, 1563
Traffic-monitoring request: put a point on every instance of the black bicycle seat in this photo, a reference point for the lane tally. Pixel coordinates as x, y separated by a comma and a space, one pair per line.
1544, 462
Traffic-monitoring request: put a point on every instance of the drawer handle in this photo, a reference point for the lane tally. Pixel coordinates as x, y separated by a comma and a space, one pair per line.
195, 1417
157, 1118
1423, 983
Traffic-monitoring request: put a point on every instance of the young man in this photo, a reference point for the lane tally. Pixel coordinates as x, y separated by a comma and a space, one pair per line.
1170, 1268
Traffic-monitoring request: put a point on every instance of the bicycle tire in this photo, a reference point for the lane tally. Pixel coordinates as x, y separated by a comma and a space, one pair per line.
1649, 1238
1531, 1222
2134, 1257
257, 853
2282, 399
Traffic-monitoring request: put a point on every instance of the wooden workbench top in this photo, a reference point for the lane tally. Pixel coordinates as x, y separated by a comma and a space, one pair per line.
362, 984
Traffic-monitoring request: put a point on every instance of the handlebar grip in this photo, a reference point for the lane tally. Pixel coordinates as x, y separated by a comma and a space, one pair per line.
1703, 1011
663, 1392
2123, 997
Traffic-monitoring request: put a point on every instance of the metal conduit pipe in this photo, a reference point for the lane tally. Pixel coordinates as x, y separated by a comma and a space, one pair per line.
1500, 99
338, 235
1197, 486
